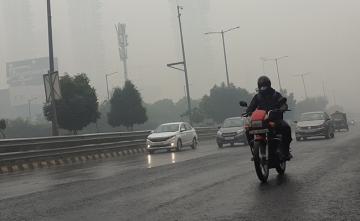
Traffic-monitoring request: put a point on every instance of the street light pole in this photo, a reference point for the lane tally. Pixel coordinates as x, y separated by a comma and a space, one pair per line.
303, 80
222, 32
185, 65
55, 131
277, 67
29, 103
107, 83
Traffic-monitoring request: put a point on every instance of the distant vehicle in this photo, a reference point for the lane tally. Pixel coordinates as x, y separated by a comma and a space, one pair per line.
340, 121
314, 124
172, 136
352, 122
232, 131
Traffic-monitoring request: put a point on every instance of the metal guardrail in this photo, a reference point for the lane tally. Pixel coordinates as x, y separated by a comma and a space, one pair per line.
17, 151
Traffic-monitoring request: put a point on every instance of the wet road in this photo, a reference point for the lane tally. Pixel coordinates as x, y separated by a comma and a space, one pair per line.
322, 183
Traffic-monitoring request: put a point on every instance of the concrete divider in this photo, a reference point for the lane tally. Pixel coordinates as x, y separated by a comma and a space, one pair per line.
33, 153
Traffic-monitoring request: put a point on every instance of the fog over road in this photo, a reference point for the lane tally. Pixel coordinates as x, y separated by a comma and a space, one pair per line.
321, 183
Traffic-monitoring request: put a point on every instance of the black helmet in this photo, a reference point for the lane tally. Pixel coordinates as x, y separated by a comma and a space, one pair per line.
264, 83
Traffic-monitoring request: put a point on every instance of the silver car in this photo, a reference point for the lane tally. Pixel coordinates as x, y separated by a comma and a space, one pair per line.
172, 136
232, 131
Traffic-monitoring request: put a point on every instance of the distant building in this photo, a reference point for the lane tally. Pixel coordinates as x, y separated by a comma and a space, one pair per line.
87, 46
5, 109
18, 32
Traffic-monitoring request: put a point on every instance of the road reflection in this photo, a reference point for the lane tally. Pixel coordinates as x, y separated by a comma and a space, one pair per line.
160, 159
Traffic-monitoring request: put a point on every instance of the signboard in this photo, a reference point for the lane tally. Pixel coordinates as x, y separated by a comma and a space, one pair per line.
27, 72
56, 86
25, 80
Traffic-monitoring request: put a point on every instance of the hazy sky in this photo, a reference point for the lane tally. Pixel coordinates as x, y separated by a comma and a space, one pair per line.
319, 36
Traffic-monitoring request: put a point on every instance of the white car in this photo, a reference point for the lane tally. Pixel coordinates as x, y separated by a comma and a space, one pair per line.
172, 136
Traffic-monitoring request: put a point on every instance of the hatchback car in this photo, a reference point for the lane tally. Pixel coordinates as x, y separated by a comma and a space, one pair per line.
232, 131
314, 124
172, 136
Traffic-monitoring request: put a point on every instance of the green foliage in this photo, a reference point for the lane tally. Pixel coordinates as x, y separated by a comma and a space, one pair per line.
223, 102
78, 106
311, 104
126, 107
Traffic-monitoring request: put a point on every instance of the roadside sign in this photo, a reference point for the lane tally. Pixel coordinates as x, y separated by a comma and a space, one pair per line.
56, 86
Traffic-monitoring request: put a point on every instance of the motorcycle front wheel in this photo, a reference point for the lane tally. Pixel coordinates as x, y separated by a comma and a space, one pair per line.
261, 165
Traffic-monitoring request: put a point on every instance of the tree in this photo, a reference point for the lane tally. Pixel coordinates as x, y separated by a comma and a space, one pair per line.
126, 107
78, 106
223, 102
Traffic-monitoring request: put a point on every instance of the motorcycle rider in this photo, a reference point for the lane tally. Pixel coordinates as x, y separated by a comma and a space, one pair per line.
268, 99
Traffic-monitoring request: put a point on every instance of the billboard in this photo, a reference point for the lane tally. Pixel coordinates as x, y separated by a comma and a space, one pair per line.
25, 80
28, 72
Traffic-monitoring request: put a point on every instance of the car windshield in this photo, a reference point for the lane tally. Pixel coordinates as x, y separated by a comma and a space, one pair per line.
167, 128
312, 116
233, 122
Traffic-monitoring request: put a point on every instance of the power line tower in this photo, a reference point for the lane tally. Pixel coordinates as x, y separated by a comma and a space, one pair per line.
122, 44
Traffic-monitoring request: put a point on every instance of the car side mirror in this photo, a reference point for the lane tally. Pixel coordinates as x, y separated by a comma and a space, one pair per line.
151, 131
219, 127
243, 104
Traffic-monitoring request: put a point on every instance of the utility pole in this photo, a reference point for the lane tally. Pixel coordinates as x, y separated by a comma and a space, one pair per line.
277, 67
323, 87
172, 65
302, 77
55, 131
29, 103
107, 83
263, 64
122, 45
222, 32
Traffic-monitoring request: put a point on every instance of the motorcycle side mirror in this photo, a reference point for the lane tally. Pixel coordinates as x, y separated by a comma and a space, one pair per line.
243, 104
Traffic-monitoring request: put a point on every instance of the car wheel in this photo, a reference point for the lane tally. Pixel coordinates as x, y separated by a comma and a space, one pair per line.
150, 152
298, 139
179, 146
220, 145
328, 134
232, 144
194, 143
246, 142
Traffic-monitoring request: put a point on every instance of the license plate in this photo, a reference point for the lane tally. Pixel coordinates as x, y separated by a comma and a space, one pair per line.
229, 138
262, 131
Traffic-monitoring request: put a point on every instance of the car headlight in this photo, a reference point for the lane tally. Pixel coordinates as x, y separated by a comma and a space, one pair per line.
219, 133
241, 131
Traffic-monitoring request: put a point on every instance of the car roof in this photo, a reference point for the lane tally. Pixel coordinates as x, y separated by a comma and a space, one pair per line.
315, 112
234, 118
173, 123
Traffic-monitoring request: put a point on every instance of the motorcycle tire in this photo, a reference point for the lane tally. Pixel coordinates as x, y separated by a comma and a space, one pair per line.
261, 168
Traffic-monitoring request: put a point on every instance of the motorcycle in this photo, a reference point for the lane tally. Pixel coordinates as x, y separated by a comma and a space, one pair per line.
265, 141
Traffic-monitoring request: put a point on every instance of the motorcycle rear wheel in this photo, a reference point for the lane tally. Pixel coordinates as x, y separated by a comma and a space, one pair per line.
261, 167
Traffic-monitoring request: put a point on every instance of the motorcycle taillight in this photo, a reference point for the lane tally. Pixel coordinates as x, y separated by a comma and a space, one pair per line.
256, 124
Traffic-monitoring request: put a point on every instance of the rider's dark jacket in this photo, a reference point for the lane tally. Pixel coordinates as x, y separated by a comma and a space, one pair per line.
268, 100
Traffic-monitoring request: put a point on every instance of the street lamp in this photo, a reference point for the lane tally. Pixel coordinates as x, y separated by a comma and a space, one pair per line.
183, 63
302, 78
29, 103
222, 32
277, 66
107, 82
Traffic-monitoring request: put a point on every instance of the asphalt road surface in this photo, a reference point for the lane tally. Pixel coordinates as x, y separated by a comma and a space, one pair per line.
322, 182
